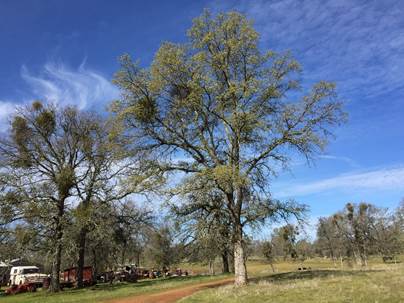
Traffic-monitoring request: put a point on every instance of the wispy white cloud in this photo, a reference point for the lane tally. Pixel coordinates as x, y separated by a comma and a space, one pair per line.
381, 179
296, 161
6, 110
357, 43
58, 83
347, 160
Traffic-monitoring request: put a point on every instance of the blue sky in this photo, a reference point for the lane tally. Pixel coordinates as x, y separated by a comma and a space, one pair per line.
66, 51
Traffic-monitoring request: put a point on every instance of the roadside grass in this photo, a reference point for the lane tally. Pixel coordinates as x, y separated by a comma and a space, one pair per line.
197, 268
103, 292
379, 283
325, 282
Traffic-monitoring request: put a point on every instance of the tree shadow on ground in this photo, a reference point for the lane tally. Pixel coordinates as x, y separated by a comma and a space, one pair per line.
144, 282
311, 274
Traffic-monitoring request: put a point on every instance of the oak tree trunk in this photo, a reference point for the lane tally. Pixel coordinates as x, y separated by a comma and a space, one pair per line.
80, 263
225, 261
240, 269
211, 267
95, 267
57, 260
55, 283
272, 266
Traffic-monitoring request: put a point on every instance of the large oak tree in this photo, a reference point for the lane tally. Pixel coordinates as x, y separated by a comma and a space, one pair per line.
221, 108
44, 152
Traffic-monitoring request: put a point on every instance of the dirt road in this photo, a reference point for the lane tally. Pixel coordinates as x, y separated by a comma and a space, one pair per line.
172, 295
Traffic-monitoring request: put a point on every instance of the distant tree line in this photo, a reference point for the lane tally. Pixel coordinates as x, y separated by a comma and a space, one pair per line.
349, 236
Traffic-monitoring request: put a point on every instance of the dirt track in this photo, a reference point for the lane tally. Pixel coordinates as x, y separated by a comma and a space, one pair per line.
173, 295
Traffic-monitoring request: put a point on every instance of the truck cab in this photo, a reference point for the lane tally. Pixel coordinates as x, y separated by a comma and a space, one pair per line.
26, 274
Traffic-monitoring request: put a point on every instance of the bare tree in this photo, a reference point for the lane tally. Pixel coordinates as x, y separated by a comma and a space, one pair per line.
329, 240
269, 253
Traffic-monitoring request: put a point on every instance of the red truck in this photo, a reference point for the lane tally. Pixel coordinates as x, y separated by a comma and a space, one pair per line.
70, 276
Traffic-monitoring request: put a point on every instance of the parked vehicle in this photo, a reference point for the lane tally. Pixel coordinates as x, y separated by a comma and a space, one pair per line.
126, 273
26, 275
70, 276
17, 289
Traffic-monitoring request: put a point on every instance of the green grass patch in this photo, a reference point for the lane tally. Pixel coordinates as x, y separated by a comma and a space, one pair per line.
102, 292
381, 283
326, 282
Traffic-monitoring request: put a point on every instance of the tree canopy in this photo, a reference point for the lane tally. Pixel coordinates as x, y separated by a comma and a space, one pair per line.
220, 108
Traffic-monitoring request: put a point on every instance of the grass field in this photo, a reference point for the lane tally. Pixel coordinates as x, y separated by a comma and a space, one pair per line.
323, 283
379, 283
103, 292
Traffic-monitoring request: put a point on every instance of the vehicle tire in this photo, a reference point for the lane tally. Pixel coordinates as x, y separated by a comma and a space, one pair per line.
31, 288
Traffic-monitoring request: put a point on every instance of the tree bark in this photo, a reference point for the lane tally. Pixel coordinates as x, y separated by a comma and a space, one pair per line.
231, 261
272, 266
56, 264
225, 260
55, 282
211, 267
239, 260
95, 267
80, 263
123, 254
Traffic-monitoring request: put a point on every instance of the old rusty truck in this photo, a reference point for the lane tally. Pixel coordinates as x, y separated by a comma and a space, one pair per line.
20, 275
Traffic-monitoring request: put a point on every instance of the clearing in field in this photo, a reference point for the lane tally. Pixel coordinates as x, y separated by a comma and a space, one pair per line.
378, 283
